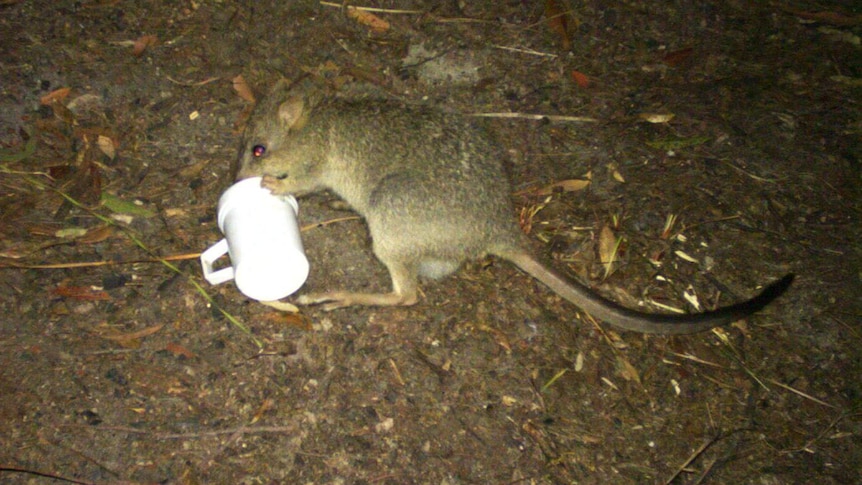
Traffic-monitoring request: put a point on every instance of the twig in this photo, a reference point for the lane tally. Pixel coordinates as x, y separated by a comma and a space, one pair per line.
746, 172
730, 351
800, 393
194, 83
201, 434
15, 469
697, 359
372, 9
107, 220
530, 116
524, 51
691, 458
705, 472
90, 264
175, 257
807, 446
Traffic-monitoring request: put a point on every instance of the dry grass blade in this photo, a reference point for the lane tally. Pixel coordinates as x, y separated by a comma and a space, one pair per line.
530, 116
521, 50
107, 220
609, 246
696, 359
553, 379
691, 458
627, 370
375, 10
734, 354
93, 264
800, 393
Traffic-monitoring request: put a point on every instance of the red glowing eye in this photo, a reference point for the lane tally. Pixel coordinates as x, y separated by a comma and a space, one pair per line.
258, 150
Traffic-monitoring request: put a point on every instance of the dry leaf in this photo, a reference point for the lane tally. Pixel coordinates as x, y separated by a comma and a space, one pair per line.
678, 57
558, 21
656, 117
570, 185
265, 406
179, 350
627, 370
84, 102
84, 293
691, 297
243, 89
294, 320
608, 245
142, 43
55, 96
826, 17
70, 233
500, 337
106, 145
580, 79
131, 340
685, 257
368, 19
95, 235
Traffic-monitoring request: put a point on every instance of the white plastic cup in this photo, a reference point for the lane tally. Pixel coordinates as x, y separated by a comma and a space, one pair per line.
262, 238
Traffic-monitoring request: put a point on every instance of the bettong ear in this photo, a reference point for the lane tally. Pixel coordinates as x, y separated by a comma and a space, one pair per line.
301, 96
292, 113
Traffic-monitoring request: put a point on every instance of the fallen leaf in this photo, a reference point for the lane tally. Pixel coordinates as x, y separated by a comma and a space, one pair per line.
368, 19
95, 235
15, 155
570, 185
243, 89
558, 21
70, 233
195, 169
106, 145
84, 293
294, 320
55, 96
120, 206
265, 406
142, 43
132, 340
608, 247
84, 102
63, 113
675, 58
580, 79
685, 257
499, 336
656, 117
627, 370
179, 350
691, 297
833, 18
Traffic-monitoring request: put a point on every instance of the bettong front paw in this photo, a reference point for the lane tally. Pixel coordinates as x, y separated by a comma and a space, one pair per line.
275, 185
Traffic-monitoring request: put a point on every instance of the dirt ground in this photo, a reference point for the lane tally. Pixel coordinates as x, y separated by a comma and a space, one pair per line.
723, 152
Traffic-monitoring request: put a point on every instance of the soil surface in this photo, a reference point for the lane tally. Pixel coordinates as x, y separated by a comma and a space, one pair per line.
721, 147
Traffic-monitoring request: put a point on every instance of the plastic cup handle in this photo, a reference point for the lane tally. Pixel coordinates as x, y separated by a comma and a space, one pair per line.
209, 257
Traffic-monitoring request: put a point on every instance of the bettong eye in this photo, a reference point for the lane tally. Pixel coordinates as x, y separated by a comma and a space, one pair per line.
258, 151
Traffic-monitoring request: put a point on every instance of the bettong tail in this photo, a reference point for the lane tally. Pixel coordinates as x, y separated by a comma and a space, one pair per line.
628, 319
